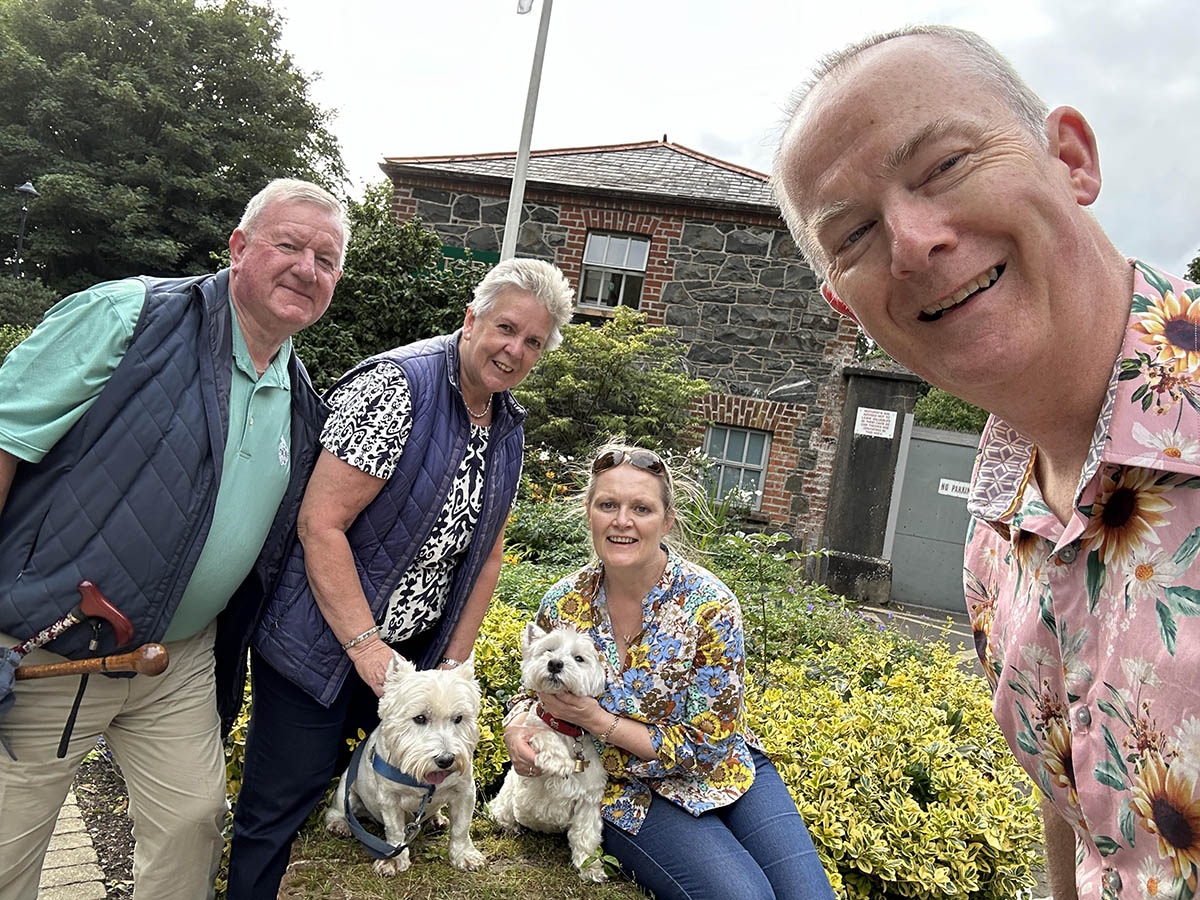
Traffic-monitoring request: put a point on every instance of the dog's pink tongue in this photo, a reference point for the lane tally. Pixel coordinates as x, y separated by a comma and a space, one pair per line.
437, 777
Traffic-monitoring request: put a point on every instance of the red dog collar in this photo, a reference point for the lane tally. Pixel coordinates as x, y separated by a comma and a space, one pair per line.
558, 724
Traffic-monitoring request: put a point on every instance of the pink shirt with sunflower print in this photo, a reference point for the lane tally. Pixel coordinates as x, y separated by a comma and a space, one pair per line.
683, 678
1090, 633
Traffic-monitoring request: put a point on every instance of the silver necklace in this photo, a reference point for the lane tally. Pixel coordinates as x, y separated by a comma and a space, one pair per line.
478, 415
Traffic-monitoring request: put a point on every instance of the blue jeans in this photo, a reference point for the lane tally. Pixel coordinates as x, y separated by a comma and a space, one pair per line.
756, 848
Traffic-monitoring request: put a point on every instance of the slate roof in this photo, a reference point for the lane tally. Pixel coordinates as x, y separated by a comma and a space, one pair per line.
654, 169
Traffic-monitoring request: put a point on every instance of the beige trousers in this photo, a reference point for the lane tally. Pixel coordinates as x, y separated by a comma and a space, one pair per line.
165, 734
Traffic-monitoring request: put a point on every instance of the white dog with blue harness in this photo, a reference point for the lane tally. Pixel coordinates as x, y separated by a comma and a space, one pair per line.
417, 761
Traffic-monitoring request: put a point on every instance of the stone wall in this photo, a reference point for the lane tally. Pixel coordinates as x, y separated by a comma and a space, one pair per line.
476, 221
735, 288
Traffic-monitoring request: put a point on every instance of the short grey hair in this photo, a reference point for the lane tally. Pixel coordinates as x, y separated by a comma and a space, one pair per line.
543, 280
981, 59
293, 190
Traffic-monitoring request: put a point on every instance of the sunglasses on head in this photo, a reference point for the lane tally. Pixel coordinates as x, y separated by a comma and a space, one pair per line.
642, 459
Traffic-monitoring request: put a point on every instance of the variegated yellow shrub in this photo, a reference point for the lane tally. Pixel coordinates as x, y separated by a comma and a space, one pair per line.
900, 772
889, 749
498, 670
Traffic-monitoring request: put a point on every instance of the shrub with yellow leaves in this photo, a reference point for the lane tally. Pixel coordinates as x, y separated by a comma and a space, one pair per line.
498, 671
899, 770
888, 747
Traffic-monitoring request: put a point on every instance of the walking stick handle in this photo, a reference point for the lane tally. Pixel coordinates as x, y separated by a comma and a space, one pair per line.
148, 659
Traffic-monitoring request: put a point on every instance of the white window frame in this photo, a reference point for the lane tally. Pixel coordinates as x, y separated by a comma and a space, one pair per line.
597, 244
723, 463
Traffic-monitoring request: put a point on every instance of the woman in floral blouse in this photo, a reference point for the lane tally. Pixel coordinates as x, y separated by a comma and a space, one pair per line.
692, 808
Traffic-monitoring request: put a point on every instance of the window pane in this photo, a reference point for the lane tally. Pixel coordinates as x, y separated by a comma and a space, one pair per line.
611, 289
633, 291
711, 479
729, 480
736, 448
596, 244
590, 292
637, 254
754, 448
750, 480
617, 247
716, 443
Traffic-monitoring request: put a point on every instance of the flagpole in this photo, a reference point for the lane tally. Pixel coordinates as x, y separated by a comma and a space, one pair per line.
516, 196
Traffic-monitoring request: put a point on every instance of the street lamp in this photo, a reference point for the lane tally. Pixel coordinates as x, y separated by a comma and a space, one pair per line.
27, 193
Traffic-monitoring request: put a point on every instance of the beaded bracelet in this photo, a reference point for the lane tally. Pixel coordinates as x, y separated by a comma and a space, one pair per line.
450, 663
355, 641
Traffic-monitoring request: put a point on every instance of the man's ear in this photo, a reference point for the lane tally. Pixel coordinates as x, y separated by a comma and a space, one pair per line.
237, 245
836, 302
1073, 143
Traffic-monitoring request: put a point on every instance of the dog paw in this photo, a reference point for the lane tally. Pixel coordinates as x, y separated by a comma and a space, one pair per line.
593, 871
437, 820
389, 867
468, 860
338, 826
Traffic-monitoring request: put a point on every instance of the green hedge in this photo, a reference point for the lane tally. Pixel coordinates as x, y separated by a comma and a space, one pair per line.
888, 746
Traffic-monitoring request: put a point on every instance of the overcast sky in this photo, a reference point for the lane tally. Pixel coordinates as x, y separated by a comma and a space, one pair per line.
411, 78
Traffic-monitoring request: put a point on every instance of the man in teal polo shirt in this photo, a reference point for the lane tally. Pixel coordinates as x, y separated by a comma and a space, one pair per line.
136, 384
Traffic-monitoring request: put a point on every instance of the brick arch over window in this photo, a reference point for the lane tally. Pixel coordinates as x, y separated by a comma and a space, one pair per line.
781, 421
660, 229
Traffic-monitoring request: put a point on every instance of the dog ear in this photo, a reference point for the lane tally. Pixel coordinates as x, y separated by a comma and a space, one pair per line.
531, 633
467, 668
399, 667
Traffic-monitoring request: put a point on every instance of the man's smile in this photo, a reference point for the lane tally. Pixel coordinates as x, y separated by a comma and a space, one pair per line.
975, 286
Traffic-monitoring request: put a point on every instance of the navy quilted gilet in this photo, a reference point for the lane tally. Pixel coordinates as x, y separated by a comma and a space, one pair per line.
125, 499
385, 538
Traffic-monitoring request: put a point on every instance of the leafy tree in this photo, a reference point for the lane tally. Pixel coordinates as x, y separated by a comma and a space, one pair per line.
937, 409
621, 378
395, 288
146, 125
1193, 270
23, 300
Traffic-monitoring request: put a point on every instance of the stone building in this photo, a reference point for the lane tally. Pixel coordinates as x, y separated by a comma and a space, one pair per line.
697, 244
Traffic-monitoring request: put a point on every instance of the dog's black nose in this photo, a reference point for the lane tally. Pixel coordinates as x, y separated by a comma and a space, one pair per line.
555, 666
445, 761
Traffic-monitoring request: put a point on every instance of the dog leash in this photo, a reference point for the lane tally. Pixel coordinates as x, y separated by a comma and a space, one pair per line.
377, 847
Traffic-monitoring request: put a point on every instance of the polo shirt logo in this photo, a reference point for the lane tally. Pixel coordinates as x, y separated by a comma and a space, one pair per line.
284, 456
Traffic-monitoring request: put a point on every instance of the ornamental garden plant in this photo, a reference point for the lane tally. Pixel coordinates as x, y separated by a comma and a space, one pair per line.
888, 746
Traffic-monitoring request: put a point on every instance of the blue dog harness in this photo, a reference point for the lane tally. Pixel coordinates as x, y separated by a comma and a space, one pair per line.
377, 847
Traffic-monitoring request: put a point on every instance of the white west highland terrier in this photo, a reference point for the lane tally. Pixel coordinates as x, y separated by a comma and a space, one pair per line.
566, 796
428, 730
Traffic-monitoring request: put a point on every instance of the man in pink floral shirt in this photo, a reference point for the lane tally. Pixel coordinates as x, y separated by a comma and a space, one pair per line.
944, 206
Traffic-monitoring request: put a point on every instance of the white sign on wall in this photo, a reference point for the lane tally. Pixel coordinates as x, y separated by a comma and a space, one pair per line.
952, 488
875, 422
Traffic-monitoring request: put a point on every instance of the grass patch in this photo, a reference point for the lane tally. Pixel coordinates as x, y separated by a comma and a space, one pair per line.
527, 865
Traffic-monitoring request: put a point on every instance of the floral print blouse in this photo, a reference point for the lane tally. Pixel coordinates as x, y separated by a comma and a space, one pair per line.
682, 677
1090, 633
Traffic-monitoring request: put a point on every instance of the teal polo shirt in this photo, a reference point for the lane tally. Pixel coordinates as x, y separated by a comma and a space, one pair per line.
51, 379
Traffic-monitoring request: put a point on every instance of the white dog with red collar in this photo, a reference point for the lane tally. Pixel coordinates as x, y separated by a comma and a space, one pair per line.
566, 796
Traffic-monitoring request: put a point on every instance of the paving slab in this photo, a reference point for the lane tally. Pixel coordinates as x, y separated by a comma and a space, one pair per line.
86, 890
72, 875
71, 856
68, 840
71, 870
